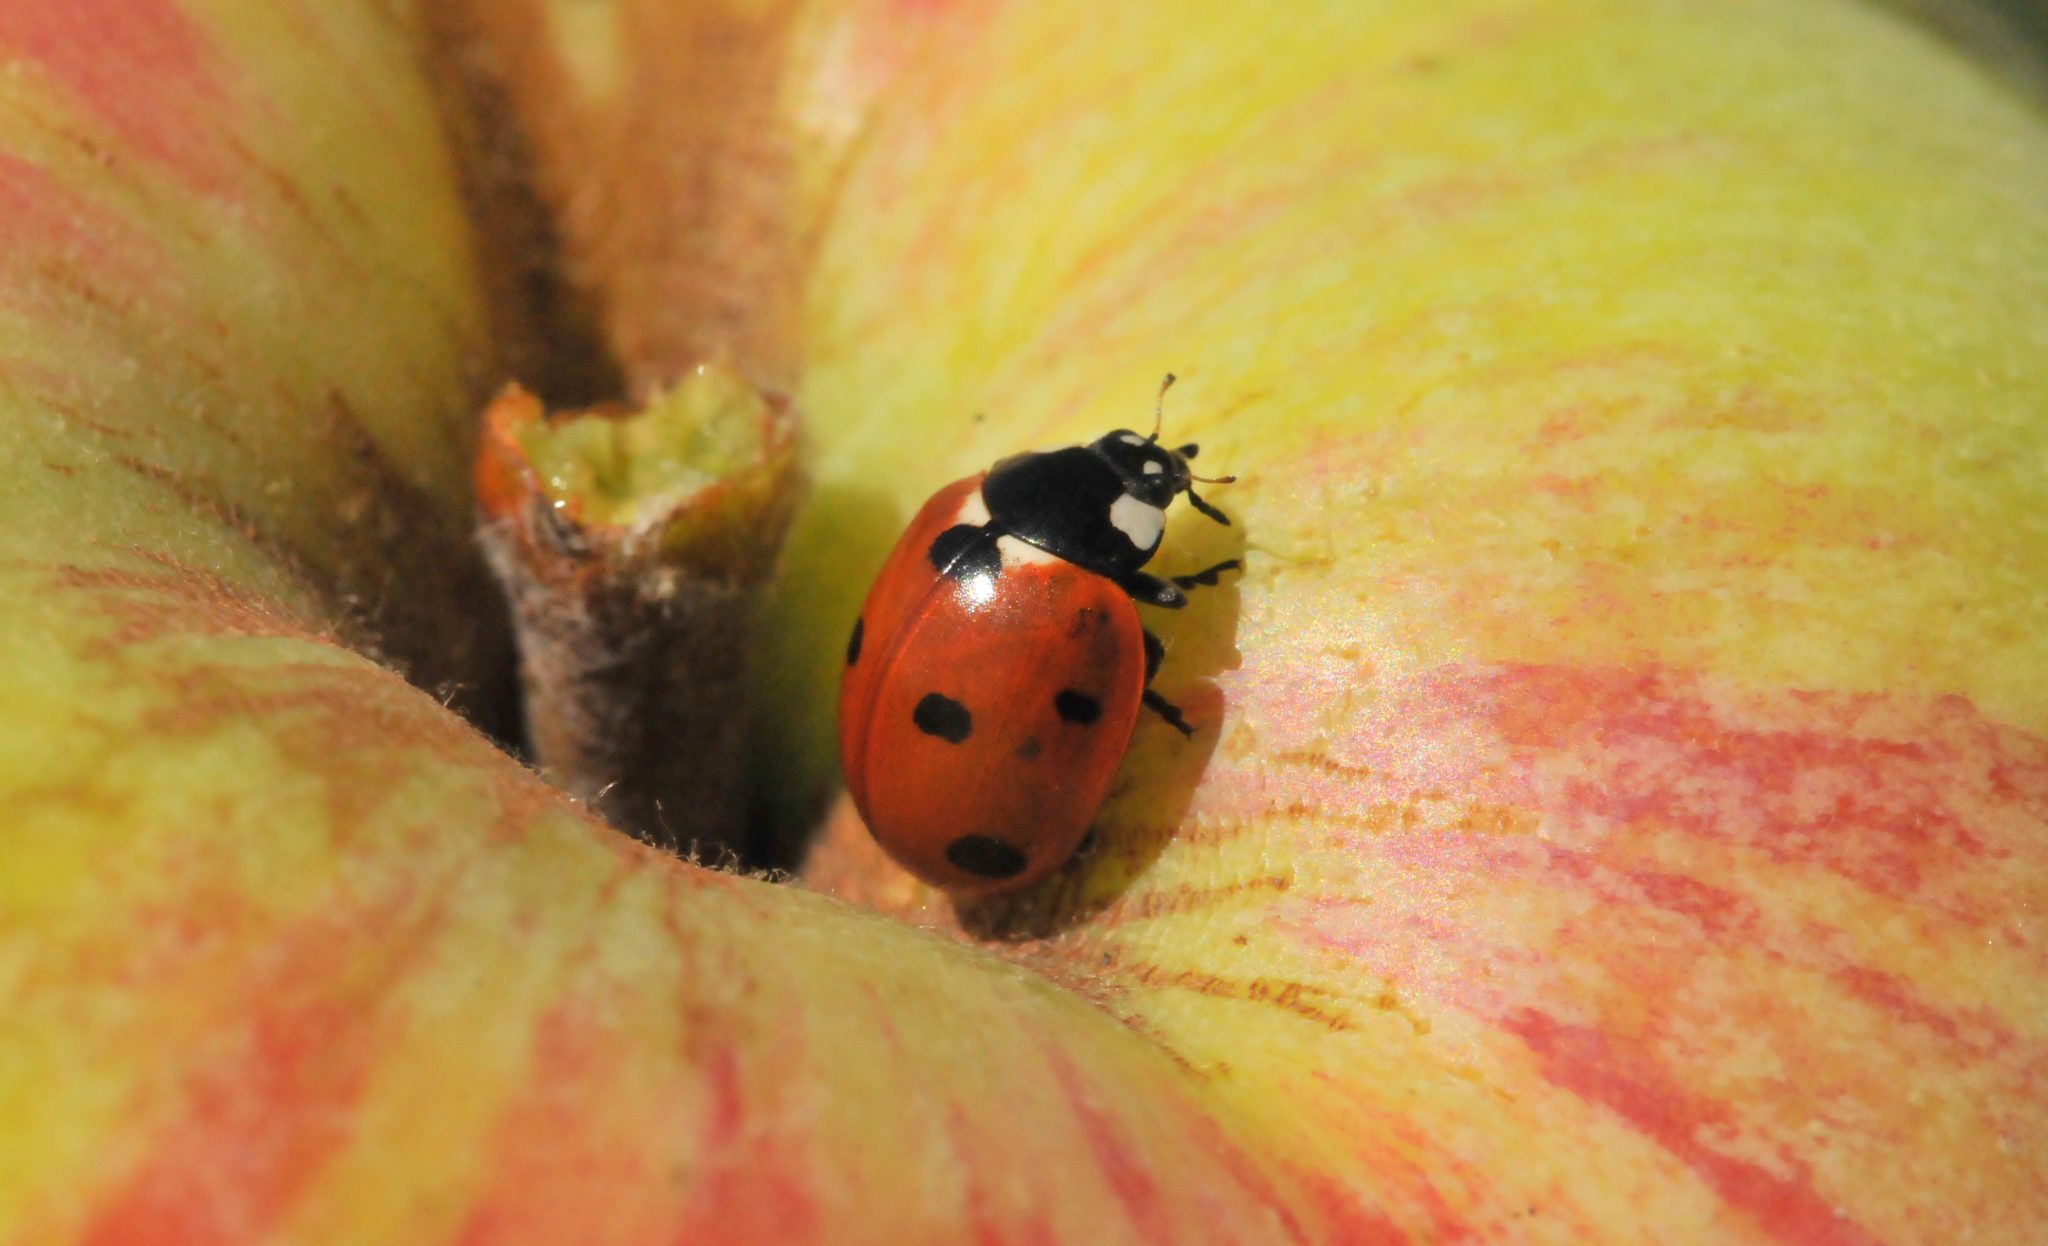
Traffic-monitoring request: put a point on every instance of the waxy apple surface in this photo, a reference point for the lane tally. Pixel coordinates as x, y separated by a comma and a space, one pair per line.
1622, 813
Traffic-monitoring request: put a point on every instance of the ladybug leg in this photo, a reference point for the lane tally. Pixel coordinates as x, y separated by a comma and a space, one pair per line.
1150, 590
1207, 576
1207, 509
1155, 652
1169, 711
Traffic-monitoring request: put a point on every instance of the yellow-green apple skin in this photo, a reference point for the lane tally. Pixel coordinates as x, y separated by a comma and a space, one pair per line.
1620, 809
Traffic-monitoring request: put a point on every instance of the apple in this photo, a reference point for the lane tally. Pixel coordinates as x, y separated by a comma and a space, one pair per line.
1620, 811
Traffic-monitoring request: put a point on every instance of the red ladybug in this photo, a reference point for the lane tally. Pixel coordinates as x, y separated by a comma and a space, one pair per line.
995, 673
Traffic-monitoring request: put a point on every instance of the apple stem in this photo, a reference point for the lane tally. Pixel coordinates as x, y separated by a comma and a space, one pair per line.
634, 549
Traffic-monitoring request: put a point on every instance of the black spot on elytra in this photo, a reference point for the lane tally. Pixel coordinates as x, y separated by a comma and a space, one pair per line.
942, 716
964, 550
853, 642
1077, 707
986, 856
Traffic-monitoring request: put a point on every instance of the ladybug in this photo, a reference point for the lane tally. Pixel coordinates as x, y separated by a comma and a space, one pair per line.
996, 672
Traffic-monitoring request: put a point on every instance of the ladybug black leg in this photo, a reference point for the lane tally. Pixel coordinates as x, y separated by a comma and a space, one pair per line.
1155, 653
1169, 711
1207, 576
1150, 590
1207, 509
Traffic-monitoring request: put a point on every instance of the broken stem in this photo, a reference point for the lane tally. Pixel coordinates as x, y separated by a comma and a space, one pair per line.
634, 548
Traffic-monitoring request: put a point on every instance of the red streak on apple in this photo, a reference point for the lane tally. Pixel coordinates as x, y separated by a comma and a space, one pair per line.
140, 66
1624, 874
29, 197
1304, 1206
1919, 802
1410, 1177
995, 1221
554, 1164
1977, 1032
1586, 1063
1342, 1205
1121, 1168
264, 1112
1244, 1169
1777, 789
58, 240
756, 1183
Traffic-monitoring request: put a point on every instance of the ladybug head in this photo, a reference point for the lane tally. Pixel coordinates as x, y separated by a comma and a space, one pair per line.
1152, 473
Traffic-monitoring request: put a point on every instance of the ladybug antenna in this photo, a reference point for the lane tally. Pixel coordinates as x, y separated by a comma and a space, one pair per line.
1214, 480
1159, 407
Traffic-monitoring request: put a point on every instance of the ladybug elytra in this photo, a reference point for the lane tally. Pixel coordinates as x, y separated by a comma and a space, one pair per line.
996, 671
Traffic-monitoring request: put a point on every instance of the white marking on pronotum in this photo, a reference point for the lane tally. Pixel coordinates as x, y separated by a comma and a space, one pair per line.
980, 589
973, 511
1140, 522
1018, 553
1132, 439
1152, 467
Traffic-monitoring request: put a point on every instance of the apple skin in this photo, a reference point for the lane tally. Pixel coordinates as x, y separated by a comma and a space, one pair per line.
1627, 803
1623, 812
